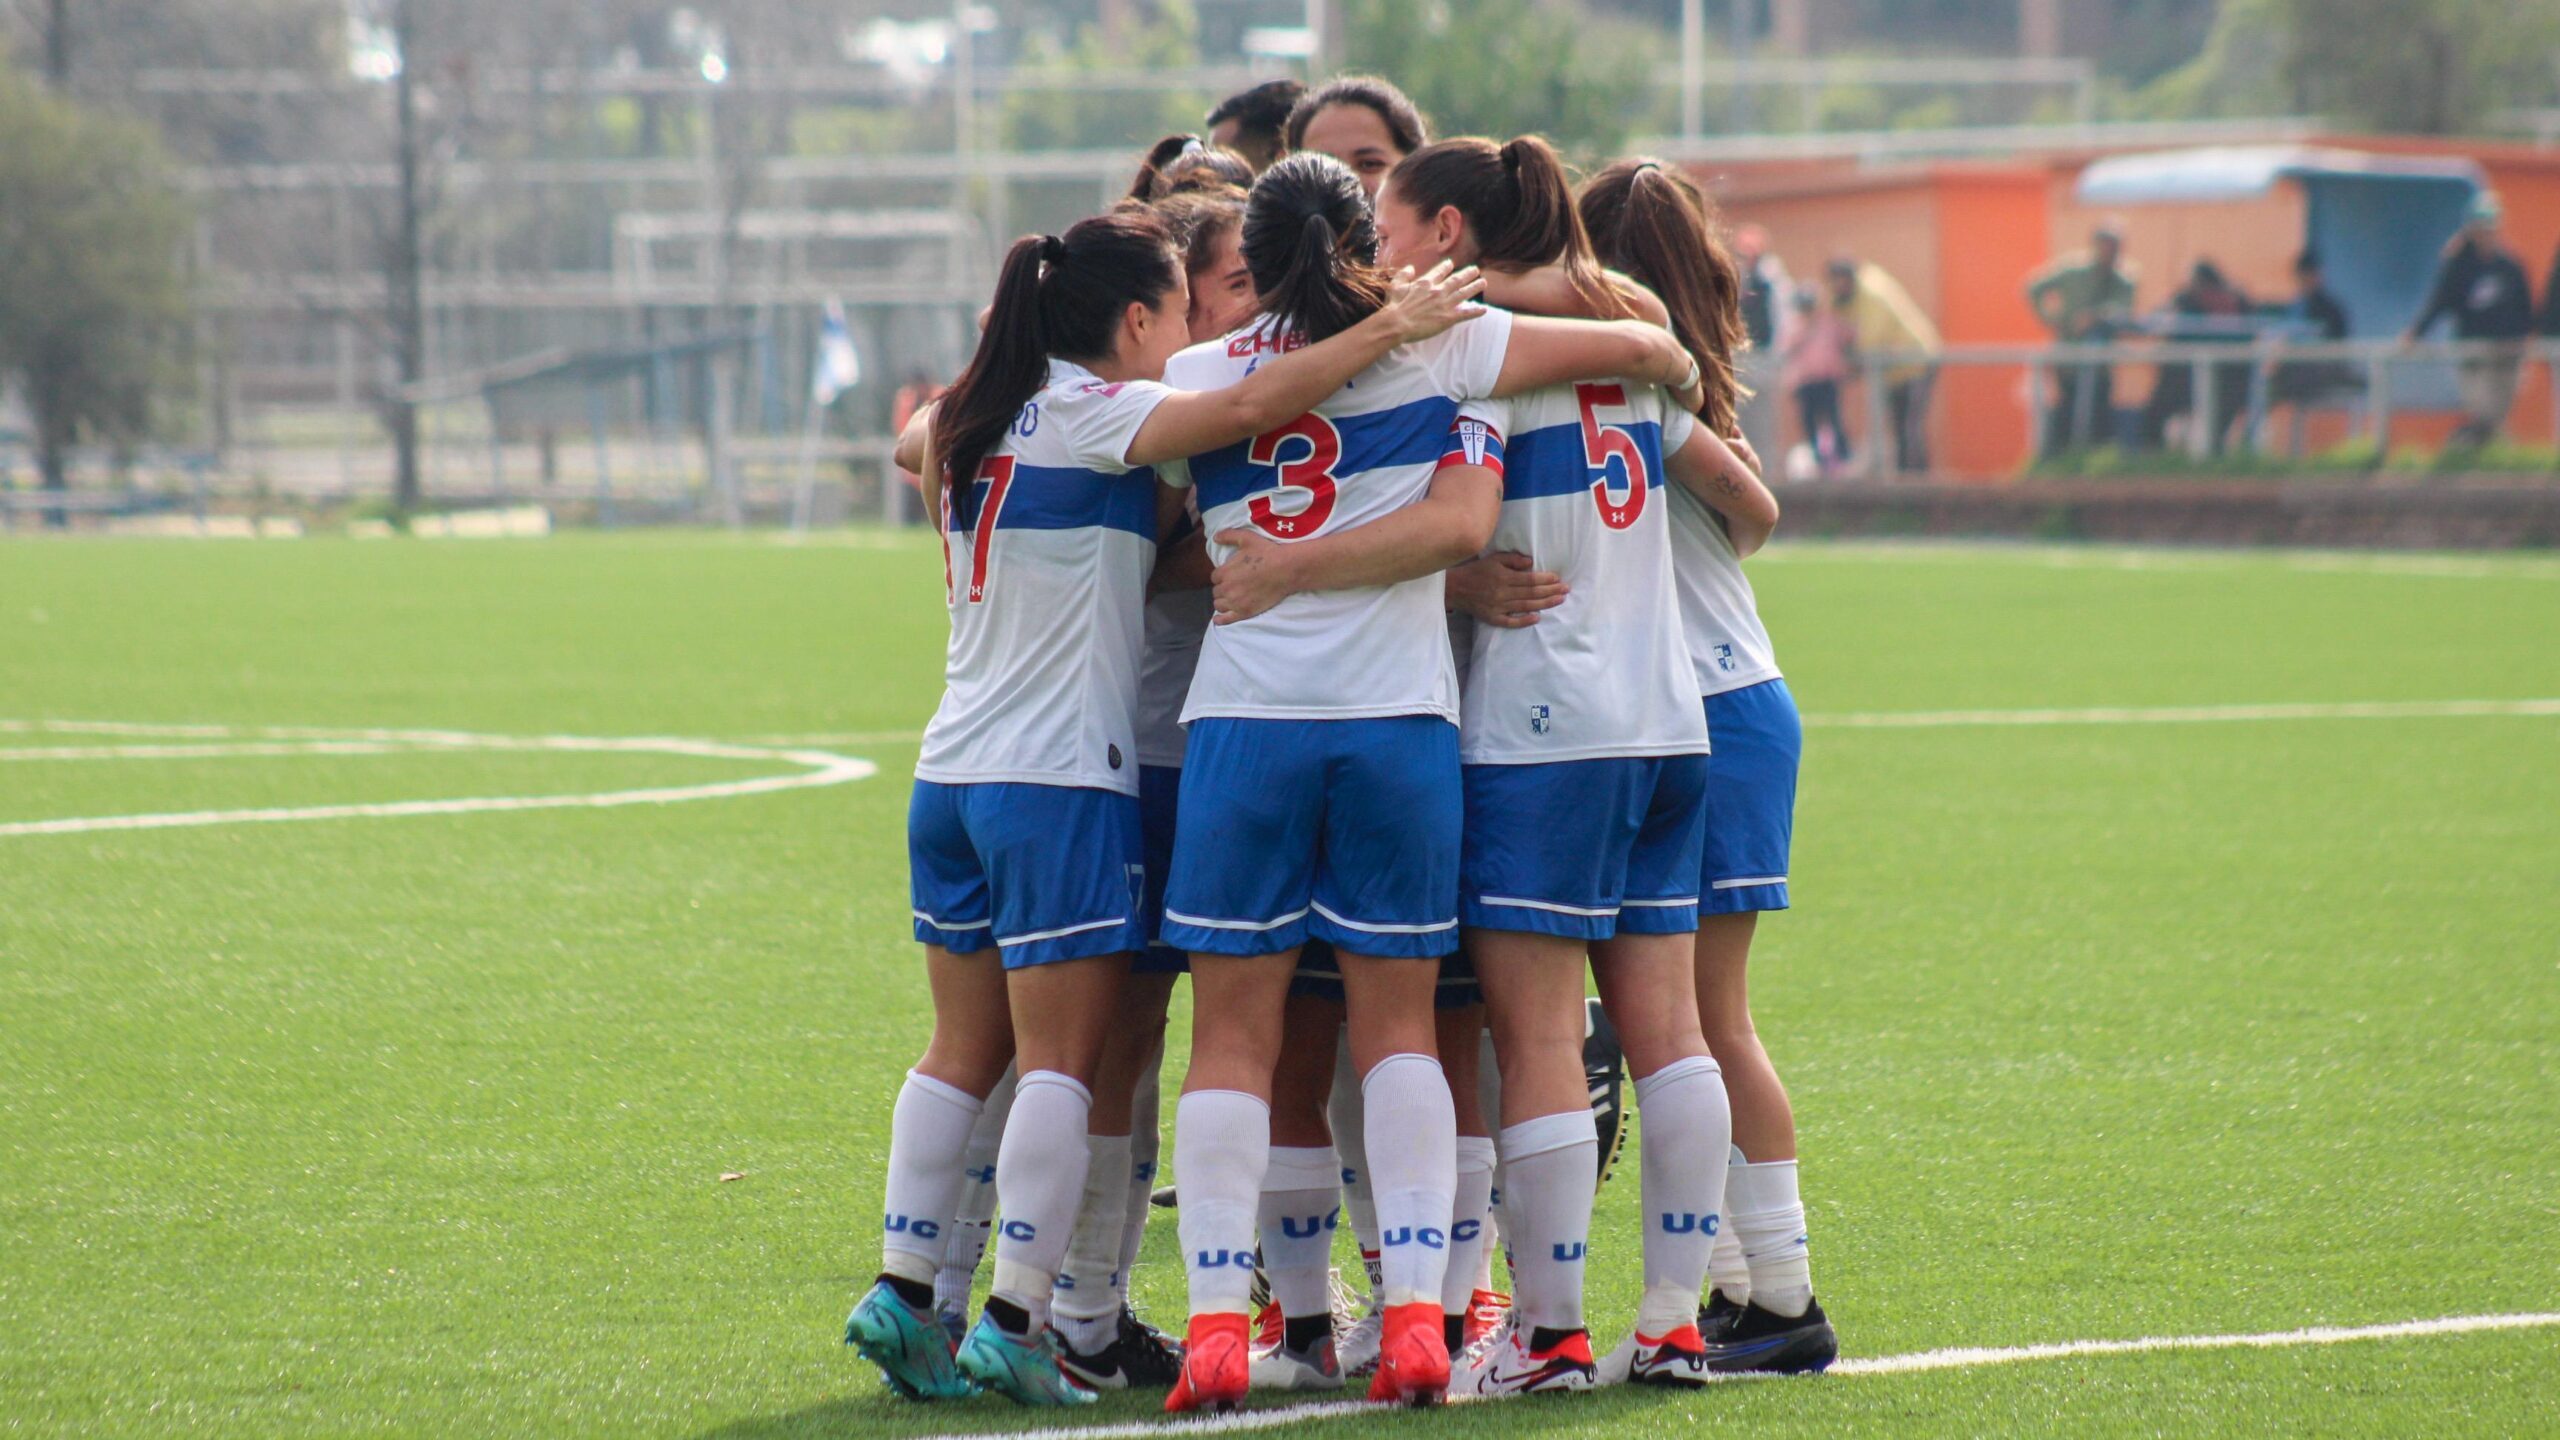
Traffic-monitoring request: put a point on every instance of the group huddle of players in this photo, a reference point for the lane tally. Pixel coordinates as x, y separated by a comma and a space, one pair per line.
1343, 545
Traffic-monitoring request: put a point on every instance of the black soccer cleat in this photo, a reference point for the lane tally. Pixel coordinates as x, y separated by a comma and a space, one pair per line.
1165, 1199
1604, 1069
1140, 1357
1763, 1342
1717, 1316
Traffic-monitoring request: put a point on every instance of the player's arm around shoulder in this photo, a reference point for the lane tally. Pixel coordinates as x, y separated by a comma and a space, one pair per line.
1280, 390
1708, 468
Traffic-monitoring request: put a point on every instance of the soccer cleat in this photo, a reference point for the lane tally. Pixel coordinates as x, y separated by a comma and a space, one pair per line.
1022, 1368
913, 1354
1717, 1315
1413, 1357
1217, 1365
954, 1323
1281, 1368
1485, 1310
1763, 1342
1269, 1325
1136, 1358
1604, 1072
1679, 1358
1513, 1368
1165, 1198
1358, 1347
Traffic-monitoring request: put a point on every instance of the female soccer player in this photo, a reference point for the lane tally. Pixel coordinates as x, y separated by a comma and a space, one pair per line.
1362, 121
1585, 767
1186, 162
1320, 789
1023, 835
1653, 223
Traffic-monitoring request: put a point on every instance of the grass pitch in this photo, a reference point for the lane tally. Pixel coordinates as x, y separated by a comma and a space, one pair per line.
417, 1125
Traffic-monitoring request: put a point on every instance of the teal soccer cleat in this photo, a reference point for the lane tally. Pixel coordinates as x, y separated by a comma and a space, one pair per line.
911, 1350
1024, 1370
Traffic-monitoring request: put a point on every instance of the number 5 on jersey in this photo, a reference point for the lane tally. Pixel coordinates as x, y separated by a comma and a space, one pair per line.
1313, 447
1604, 443
995, 477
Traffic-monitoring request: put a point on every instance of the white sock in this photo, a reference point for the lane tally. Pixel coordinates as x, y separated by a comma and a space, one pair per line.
1087, 1307
1688, 1141
1299, 1214
1549, 1162
1346, 1111
1039, 1181
976, 1211
928, 1140
1146, 1118
1469, 1218
1768, 1218
1489, 1102
1727, 1273
1414, 1170
1221, 1143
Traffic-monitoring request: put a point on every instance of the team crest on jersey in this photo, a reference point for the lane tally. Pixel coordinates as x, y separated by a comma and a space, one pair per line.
1724, 659
1541, 719
1472, 437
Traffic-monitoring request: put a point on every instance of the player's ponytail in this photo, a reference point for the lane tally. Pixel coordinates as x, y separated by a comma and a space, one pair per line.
1056, 295
1518, 204
1312, 247
1657, 226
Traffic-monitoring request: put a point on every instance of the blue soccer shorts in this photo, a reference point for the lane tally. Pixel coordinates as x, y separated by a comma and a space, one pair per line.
1344, 830
1585, 849
1159, 798
1751, 798
1040, 873
1319, 975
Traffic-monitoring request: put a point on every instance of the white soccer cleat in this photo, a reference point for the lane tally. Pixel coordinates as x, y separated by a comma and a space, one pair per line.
1281, 1368
1679, 1358
1512, 1368
1357, 1350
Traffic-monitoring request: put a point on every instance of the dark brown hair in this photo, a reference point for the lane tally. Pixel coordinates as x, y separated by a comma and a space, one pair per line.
1178, 162
1658, 226
1405, 124
1312, 246
1197, 216
1262, 118
1060, 295
1518, 204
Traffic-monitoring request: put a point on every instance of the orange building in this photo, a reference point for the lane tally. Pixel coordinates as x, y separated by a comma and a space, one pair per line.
1965, 236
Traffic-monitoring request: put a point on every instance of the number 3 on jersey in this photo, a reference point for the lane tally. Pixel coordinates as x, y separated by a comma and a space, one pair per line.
1603, 443
995, 477
1314, 446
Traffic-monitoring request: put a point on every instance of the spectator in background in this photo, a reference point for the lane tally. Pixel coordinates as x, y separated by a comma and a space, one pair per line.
2207, 310
1819, 347
2084, 299
2483, 287
1253, 122
2316, 315
1764, 307
917, 393
2551, 300
1884, 322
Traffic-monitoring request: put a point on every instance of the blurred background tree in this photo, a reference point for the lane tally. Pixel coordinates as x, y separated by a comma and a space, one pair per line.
92, 302
2428, 67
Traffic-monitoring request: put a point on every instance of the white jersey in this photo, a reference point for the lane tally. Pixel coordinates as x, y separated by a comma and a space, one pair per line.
1368, 451
1606, 673
1728, 646
1177, 624
1046, 558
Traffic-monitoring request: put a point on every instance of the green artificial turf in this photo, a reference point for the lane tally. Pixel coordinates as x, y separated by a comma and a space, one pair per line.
418, 1125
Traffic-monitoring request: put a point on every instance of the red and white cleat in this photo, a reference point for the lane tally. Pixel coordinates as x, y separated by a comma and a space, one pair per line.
1413, 1356
1217, 1365
1485, 1310
1514, 1368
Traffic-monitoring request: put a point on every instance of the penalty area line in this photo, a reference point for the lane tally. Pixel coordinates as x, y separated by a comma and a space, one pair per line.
1963, 1358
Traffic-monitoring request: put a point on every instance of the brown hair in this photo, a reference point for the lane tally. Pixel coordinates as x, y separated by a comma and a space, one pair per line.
1262, 118
1657, 226
1198, 216
1518, 204
1405, 124
1179, 162
1312, 246
1060, 295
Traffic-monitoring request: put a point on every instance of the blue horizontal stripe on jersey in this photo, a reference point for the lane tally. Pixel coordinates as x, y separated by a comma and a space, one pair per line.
1414, 433
1054, 497
1550, 461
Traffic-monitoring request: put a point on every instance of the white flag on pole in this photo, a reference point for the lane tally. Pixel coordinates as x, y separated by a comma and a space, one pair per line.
839, 366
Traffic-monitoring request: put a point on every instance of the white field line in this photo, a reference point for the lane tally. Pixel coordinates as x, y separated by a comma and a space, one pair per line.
1968, 1358
818, 768
2190, 714
1957, 719
2321, 562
